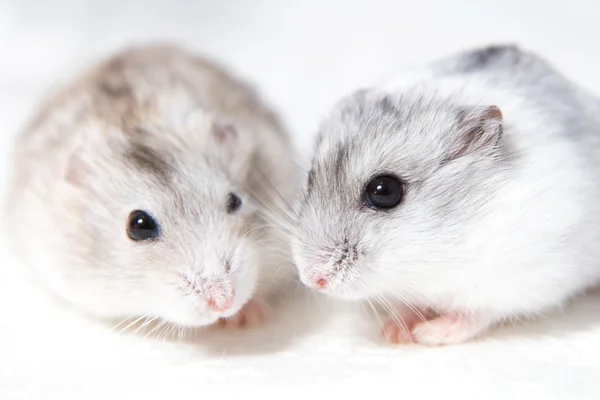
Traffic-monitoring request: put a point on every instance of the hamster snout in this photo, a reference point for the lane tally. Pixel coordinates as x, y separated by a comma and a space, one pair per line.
333, 269
218, 292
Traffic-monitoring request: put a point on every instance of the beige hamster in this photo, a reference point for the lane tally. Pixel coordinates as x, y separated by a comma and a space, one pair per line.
141, 190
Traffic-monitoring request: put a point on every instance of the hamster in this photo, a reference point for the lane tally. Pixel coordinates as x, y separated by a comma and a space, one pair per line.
458, 196
142, 189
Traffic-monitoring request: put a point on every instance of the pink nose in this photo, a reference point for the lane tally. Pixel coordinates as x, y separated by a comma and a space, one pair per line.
220, 301
319, 283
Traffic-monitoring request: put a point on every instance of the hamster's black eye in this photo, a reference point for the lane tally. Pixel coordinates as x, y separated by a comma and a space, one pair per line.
141, 226
384, 192
233, 203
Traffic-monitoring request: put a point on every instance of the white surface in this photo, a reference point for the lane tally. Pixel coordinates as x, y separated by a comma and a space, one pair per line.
303, 55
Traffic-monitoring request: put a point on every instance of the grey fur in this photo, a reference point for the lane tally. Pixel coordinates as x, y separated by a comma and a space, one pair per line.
149, 161
491, 56
500, 215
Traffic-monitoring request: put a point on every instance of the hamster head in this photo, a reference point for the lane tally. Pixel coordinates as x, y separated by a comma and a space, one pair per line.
159, 223
392, 186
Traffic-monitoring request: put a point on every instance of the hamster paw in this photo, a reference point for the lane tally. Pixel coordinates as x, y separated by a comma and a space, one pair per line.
448, 329
395, 334
398, 330
254, 313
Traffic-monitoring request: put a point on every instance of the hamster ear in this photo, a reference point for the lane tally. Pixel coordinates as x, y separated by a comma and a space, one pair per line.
91, 146
75, 170
480, 129
224, 132
237, 150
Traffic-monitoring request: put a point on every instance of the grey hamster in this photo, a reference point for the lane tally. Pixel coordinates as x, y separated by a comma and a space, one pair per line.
459, 195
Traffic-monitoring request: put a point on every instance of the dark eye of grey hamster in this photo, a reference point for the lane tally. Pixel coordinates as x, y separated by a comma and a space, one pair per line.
233, 203
141, 226
383, 192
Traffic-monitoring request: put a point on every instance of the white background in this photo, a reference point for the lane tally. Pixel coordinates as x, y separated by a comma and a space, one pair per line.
303, 55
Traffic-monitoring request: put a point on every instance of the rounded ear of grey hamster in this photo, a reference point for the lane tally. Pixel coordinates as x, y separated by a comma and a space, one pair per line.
139, 178
480, 129
456, 197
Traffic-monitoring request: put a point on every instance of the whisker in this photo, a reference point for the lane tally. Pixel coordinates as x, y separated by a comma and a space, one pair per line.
120, 323
266, 179
143, 325
159, 325
393, 313
375, 311
133, 323
164, 331
408, 304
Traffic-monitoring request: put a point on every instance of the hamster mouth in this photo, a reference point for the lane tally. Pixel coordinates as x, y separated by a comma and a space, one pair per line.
210, 317
200, 320
334, 275
335, 284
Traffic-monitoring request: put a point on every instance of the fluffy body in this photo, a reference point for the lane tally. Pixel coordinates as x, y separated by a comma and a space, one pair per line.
488, 230
154, 128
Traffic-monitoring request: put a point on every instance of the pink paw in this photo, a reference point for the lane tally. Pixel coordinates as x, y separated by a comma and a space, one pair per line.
398, 330
393, 333
254, 313
448, 329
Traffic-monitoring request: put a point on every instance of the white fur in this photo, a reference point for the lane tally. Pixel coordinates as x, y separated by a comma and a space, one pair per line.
522, 240
72, 232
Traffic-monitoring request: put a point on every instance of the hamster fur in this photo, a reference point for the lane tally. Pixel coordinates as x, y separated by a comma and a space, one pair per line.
155, 129
498, 156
